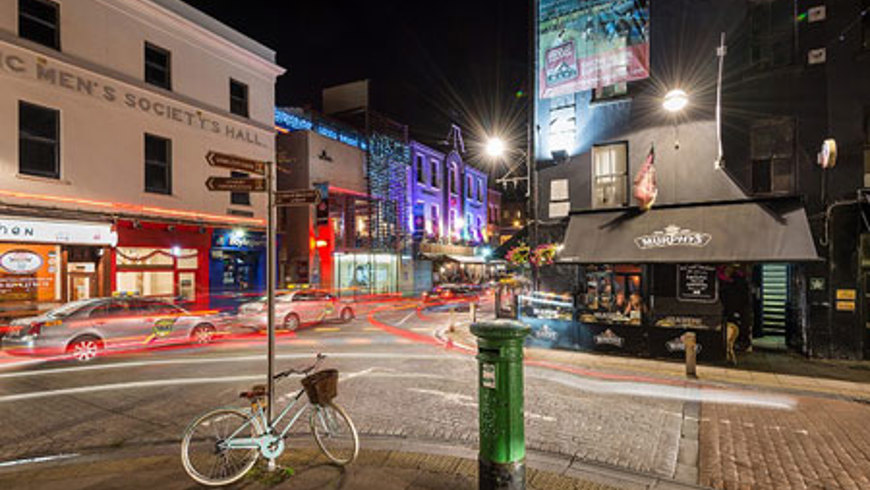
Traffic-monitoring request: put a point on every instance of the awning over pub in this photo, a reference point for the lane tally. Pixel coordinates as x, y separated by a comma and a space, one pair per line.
744, 231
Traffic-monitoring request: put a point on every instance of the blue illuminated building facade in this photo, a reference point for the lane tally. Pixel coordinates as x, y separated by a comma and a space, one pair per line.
448, 197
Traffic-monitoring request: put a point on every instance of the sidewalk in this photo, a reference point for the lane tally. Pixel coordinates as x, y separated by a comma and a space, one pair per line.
384, 464
778, 371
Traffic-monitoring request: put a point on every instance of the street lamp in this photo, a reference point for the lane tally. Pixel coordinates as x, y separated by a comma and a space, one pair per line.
675, 100
495, 147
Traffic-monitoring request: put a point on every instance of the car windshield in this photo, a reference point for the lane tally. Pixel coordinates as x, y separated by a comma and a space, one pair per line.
68, 309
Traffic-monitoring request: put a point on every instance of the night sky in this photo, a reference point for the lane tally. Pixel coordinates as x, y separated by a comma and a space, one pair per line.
429, 62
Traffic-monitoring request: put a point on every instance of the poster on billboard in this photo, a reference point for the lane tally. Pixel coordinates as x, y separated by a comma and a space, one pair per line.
586, 44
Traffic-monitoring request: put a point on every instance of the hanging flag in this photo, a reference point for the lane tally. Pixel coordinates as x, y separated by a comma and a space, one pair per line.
645, 188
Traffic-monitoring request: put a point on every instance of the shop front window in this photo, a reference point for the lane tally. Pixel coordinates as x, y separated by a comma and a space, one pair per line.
613, 294
146, 283
360, 274
149, 271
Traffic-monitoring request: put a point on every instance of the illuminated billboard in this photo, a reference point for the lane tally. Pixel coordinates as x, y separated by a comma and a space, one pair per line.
586, 44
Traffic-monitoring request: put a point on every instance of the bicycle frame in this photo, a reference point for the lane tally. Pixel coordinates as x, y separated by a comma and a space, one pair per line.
232, 442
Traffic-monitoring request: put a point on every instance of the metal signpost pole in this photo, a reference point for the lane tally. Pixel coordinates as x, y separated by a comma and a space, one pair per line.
270, 285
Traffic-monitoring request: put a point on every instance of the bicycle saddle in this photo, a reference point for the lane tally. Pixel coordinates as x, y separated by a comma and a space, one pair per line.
258, 391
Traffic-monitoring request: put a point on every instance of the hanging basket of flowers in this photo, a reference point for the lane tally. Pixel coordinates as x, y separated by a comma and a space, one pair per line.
544, 254
518, 255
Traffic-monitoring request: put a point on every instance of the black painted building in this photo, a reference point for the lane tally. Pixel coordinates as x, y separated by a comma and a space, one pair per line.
796, 73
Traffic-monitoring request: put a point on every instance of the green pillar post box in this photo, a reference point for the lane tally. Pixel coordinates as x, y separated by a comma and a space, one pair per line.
502, 458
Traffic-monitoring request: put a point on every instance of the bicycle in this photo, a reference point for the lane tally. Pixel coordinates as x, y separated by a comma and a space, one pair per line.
221, 446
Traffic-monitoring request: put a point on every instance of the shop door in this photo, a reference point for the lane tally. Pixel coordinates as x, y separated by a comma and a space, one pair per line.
82, 285
186, 282
774, 299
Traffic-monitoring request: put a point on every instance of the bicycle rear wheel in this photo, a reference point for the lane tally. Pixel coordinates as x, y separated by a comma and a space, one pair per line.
334, 433
202, 454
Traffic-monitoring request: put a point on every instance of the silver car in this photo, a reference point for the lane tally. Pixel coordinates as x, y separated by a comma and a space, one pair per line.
83, 329
294, 309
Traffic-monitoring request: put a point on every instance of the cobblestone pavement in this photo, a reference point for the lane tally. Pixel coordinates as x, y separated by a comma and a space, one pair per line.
822, 444
404, 390
818, 438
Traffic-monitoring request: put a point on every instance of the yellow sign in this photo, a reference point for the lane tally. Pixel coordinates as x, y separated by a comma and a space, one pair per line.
847, 294
845, 306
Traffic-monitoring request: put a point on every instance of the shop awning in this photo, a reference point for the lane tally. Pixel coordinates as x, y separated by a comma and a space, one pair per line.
758, 231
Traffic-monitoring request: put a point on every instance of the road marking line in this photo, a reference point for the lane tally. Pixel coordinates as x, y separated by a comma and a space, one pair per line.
371, 329
403, 320
421, 329
157, 383
211, 360
38, 459
327, 329
359, 341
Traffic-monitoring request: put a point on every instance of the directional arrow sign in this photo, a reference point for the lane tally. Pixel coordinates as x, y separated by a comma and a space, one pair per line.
302, 197
233, 162
235, 184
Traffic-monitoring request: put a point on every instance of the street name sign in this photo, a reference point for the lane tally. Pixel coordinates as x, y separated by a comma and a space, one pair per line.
236, 184
233, 162
302, 197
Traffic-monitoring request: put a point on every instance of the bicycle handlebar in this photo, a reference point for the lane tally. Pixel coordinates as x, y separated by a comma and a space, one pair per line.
320, 357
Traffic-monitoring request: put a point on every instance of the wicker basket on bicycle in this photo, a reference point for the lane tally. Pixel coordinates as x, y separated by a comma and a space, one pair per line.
322, 386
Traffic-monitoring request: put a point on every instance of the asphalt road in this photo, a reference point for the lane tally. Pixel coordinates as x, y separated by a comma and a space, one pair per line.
393, 383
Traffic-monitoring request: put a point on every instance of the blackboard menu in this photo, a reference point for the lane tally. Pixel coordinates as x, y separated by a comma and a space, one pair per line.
696, 282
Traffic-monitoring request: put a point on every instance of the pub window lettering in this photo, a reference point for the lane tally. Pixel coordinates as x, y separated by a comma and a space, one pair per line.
39, 21
38, 140
158, 66
243, 198
610, 175
238, 98
771, 35
158, 165
772, 152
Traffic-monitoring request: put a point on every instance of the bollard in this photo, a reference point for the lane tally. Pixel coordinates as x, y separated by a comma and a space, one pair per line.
690, 343
472, 311
502, 456
451, 321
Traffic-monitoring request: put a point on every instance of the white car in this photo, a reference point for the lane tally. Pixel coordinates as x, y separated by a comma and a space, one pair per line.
294, 309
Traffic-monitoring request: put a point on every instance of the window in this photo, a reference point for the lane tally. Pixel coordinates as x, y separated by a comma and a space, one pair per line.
480, 191
38, 135
242, 198
469, 191
772, 150
610, 175
38, 21
421, 174
865, 25
157, 66
614, 91
435, 223
158, 165
238, 98
771, 36
451, 179
563, 123
433, 172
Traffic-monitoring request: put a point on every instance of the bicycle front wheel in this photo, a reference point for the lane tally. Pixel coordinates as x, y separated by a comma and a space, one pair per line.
334, 433
203, 453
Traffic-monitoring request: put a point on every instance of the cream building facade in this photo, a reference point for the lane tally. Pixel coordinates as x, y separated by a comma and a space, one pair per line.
108, 109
